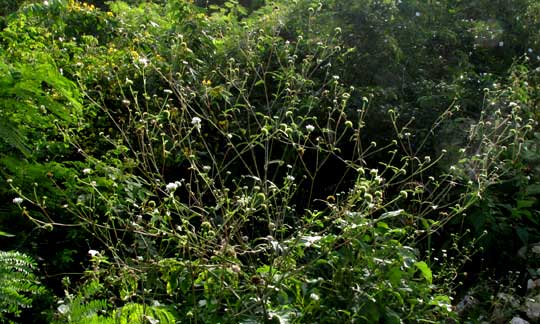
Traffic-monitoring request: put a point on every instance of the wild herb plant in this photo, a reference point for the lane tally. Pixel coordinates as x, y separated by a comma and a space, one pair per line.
208, 196
228, 167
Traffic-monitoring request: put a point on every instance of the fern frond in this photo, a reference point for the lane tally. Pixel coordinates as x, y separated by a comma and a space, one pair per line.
18, 284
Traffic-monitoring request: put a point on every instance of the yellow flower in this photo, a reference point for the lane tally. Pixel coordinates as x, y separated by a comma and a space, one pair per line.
206, 82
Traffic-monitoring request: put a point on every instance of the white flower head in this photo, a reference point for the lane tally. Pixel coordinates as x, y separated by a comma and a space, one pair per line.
93, 253
310, 128
172, 186
144, 61
17, 200
87, 171
290, 178
196, 122
417, 14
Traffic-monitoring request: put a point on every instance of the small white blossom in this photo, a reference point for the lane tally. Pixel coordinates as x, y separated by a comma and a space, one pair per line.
310, 128
290, 178
501, 44
243, 201
63, 309
17, 200
9, 180
86, 171
144, 61
417, 14
168, 91
172, 186
196, 121
206, 168
92, 253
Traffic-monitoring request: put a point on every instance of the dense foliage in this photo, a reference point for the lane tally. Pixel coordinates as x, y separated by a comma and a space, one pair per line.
303, 161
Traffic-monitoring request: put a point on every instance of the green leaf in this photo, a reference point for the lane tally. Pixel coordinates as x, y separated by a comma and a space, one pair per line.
523, 234
394, 275
525, 203
426, 271
6, 234
533, 189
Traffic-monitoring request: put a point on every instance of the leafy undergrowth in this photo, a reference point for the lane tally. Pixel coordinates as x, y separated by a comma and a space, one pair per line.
280, 162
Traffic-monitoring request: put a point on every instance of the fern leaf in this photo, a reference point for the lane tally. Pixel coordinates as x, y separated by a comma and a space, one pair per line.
18, 283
